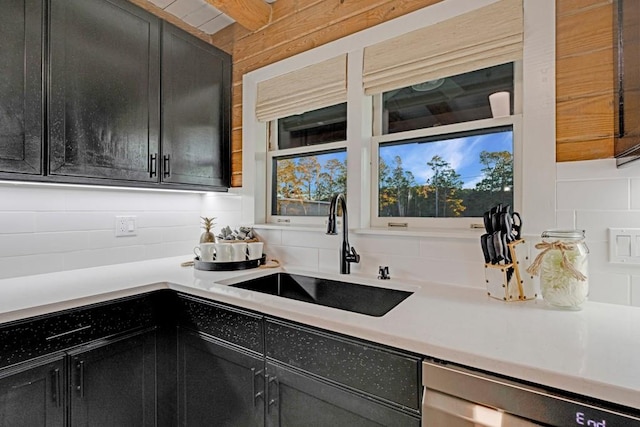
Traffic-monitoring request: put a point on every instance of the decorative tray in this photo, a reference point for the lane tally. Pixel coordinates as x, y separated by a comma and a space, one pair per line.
228, 265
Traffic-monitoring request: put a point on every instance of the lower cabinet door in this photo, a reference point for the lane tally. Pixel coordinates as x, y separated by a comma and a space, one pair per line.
218, 385
114, 384
295, 399
33, 395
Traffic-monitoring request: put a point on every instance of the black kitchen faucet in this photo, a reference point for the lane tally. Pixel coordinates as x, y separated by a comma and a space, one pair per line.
348, 254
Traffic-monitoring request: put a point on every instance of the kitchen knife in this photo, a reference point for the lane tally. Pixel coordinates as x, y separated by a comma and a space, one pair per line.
505, 248
506, 226
491, 249
517, 226
495, 221
487, 222
485, 249
497, 245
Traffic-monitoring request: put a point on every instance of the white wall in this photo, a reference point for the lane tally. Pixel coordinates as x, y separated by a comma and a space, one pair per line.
52, 228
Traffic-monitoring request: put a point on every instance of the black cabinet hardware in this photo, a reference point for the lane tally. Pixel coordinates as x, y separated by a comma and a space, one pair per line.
166, 166
259, 394
153, 165
56, 387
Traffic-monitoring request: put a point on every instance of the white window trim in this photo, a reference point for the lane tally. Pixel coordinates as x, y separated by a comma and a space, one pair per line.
538, 119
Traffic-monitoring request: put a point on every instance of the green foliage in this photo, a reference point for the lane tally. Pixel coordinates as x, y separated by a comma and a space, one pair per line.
442, 195
305, 186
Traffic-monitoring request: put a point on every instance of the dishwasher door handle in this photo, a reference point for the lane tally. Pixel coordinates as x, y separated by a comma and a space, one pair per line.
442, 409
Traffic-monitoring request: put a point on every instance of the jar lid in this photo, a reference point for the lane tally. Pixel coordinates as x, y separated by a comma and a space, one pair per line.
563, 234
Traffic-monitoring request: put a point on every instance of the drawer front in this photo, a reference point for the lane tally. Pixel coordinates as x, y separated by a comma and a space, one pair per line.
225, 323
29, 338
386, 374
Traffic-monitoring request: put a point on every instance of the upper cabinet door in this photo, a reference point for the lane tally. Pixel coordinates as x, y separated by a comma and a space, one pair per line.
196, 81
21, 87
104, 91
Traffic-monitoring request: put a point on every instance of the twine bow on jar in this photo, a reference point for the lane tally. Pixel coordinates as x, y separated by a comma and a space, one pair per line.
534, 268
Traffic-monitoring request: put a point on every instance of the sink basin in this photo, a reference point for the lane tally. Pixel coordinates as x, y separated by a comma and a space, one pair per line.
369, 300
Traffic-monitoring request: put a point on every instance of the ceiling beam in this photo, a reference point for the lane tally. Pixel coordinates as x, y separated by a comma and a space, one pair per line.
251, 14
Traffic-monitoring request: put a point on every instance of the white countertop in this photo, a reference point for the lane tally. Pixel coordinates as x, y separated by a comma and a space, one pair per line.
593, 352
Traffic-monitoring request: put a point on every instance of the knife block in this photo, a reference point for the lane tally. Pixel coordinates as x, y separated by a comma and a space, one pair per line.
511, 282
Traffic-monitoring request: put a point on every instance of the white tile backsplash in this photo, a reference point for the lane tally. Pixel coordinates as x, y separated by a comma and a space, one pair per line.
594, 194
46, 228
614, 288
17, 222
57, 228
635, 290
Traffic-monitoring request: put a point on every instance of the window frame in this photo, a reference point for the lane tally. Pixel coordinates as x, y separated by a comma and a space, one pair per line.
274, 152
515, 121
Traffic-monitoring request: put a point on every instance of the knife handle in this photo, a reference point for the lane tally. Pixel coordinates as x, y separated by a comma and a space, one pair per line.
485, 249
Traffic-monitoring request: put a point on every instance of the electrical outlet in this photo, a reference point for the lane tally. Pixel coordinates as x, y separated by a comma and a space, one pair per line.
125, 226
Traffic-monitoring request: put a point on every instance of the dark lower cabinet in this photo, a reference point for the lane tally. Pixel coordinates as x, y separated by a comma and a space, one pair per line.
218, 385
168, 359
88, 366
296, 376
21, 87
114, 384
295, 399
33, 395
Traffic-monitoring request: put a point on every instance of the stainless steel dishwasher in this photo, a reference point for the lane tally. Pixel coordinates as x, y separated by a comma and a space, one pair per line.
455, 396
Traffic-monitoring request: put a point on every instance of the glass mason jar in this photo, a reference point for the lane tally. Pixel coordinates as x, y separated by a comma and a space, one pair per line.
563, 268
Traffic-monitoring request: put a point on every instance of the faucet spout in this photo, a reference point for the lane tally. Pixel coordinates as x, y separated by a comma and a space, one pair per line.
348, 253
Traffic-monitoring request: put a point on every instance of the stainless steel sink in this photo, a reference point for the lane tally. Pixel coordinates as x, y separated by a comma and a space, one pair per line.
369, 300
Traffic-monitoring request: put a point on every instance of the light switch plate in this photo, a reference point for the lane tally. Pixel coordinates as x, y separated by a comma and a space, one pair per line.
624, 245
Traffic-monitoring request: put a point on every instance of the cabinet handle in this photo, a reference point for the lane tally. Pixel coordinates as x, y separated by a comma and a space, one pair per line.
55, 386
166, 165
80, 386
259, 394
153, 165
73, 331
272, 401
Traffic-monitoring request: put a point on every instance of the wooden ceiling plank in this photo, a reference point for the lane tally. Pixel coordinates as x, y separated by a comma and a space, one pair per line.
251, 14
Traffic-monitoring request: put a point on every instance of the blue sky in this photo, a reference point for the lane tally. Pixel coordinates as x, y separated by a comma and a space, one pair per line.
463, 155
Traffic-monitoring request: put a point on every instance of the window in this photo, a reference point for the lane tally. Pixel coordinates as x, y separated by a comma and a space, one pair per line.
456, 175
439, 154
307, 163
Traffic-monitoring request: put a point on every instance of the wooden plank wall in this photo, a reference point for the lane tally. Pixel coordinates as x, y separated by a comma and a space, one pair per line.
584, 80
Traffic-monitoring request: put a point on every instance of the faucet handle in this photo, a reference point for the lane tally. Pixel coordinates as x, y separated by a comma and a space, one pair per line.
383, 273
354, 257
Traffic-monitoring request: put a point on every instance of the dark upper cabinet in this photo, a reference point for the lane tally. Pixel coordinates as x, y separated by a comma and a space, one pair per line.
196, 81
104, 90
21, 87
114, 83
